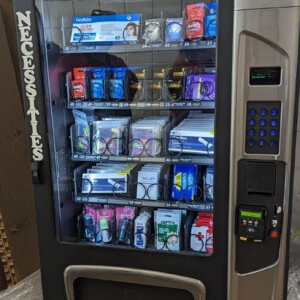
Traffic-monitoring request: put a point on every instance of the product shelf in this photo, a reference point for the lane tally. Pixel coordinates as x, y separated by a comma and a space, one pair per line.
151, 248
199, 45
190, 206
197, 159
164, 105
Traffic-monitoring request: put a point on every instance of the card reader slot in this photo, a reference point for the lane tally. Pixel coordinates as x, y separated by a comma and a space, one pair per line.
261, 193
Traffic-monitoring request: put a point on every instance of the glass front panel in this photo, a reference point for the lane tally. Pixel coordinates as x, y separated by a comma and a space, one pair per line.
130, 100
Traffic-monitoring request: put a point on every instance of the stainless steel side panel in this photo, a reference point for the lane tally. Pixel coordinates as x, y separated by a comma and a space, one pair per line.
129, 275
262, 37
260, 4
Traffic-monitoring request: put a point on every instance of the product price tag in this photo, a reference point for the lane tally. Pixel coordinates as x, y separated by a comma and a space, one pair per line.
189, 104
185, 160
107, 104
148, 104
186, 44
211, 43
209, 207
179, 104
101, 200
173, 205
167, 104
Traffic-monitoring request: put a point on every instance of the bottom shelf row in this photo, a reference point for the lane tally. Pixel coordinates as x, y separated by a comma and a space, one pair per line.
160, 229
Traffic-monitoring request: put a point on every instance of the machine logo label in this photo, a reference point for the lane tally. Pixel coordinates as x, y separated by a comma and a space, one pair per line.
26, 47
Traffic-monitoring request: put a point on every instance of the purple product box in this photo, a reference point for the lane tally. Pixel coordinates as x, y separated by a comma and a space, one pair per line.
200, 87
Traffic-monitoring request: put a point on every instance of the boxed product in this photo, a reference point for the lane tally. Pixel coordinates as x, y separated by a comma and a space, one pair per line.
184, 182
79, 85
211, 21
200, 87
107, 179
202, 233
146, 136
193, 135
194, 24
153, 31
108, 136
148, 182
108, 29
168, 229
142, 228
98, 83
117, 85
174, 30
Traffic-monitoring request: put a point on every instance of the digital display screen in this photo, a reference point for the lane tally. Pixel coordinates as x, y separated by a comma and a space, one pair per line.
251, 214
265, 76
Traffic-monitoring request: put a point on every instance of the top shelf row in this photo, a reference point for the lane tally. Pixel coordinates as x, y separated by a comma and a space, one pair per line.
199, 45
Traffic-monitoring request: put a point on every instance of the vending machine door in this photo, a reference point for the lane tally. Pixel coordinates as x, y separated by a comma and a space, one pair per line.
128, 108
264, 120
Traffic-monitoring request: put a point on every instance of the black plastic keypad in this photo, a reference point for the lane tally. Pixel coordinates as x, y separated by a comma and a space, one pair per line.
263, 127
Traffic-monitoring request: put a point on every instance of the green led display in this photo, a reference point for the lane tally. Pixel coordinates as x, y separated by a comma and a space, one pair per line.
251, 214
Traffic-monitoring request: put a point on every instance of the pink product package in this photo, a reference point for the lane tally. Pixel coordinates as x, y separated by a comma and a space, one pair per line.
125, 212
90, 220
105, 213
91, 210
105, 217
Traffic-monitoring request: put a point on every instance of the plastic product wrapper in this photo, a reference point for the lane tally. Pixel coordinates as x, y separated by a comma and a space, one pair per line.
28, 289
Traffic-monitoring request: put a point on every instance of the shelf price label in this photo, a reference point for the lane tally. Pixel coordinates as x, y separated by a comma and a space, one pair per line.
180, 104
101, 200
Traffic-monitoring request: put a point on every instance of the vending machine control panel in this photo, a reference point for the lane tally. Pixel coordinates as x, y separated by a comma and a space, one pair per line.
252, 223
259, 213
263, 127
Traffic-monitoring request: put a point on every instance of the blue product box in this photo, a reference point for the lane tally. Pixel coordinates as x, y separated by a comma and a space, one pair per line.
117, 84
97, 83
211, 21
186, 177
106, 30
211, 26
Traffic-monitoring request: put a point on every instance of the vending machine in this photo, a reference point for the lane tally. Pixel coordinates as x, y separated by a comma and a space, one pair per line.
162, 145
